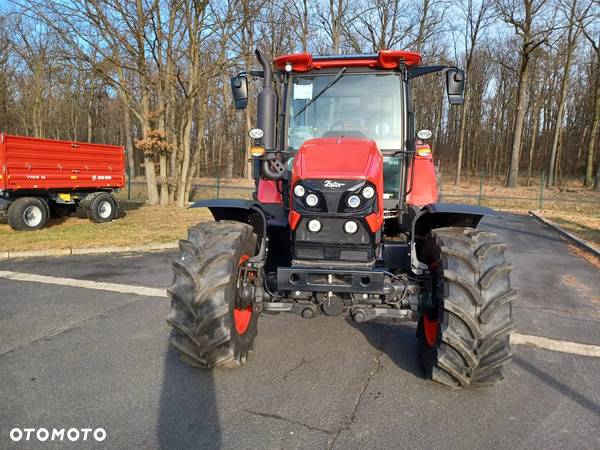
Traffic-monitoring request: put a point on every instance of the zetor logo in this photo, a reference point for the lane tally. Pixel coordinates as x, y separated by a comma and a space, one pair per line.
57, 434
333, 184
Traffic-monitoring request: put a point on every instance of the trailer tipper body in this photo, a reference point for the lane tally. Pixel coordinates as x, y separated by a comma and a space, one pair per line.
40, 178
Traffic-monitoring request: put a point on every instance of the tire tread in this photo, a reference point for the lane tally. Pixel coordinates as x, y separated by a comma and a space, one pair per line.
476, 317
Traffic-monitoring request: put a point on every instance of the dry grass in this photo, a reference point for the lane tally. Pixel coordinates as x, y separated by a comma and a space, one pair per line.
142, 225
593, 260
206, 190
163, 224
586, 226
572, 207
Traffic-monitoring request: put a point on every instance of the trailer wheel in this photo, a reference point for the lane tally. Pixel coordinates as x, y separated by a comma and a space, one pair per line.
103, 208
27, 214
463, 338
210, 327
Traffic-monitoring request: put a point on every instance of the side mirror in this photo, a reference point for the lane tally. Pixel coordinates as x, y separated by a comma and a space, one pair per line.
239, 89
455, 86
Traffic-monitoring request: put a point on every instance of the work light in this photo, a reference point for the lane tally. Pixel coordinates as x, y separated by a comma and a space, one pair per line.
353, 201
312, 200
351, 227
368, 192
314, 226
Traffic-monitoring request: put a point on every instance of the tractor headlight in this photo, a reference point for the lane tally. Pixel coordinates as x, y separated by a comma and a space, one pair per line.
350, 227
314, 226
353, 201
299, 190
256, 133
312, 200
368, 192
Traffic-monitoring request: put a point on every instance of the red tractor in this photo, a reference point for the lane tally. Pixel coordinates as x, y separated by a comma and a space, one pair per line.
344, 221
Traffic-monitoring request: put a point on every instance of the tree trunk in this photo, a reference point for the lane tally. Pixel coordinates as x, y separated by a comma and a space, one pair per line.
193, 169
534, 133
513, 170
128, 140
561, 108
164, 185
90, 128
589, 168
151, 180
461, 141
185, 161
597, 181
148, 160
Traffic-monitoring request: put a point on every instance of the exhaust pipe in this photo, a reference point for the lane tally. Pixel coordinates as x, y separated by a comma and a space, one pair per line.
266, 109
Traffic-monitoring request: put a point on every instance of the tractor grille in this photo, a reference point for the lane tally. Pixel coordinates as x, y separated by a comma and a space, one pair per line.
332, 243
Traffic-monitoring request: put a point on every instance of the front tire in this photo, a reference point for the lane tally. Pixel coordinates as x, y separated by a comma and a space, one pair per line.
210, 330
463, 339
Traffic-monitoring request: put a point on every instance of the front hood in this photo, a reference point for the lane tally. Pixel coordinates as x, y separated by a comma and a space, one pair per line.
338, 158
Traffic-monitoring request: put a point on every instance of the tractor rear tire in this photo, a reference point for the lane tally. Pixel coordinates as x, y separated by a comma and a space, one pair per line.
463, 340
208, 329
28, 214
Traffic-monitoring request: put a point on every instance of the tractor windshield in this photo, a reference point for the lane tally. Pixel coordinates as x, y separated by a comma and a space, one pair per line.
359, 105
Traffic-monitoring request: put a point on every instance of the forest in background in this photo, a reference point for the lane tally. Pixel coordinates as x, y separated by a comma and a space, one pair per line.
153, 75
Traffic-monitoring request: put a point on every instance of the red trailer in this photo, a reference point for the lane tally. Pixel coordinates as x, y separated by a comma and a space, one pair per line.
40, 178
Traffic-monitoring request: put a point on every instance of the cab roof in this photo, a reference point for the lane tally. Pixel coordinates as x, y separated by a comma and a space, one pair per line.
385, 59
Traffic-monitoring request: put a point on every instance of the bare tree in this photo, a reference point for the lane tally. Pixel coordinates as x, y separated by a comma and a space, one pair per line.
573, 16
156, 73
589, 25
533, 24
332, 22
476, 20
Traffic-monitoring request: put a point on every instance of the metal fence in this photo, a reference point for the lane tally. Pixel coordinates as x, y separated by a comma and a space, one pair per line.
481, 195
536, 201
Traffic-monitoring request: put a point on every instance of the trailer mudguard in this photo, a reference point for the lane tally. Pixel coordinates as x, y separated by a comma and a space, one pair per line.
438, 215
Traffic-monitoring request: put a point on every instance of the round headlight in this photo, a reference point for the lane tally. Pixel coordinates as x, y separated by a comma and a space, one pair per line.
314, 226
351, 227
353, 201
299, 190
312, 200
368, 192
256, 133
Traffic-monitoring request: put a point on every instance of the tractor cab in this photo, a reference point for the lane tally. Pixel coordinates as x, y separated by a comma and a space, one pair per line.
352, 96
345, 221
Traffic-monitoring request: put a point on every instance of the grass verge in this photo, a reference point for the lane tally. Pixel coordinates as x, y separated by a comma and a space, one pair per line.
572, 207
140, 225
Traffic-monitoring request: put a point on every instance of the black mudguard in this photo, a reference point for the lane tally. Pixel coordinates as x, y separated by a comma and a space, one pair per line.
247, 211
263, 218
438, 215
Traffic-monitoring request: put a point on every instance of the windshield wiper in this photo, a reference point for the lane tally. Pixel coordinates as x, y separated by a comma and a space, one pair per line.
322, 91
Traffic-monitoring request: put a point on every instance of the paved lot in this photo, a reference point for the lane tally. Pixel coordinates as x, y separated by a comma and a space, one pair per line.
73, 357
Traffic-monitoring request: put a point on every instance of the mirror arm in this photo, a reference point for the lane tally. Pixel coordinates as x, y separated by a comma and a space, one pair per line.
252, 73
425, 70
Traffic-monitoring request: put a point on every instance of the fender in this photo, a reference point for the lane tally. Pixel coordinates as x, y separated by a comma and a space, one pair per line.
438, 215
247, 211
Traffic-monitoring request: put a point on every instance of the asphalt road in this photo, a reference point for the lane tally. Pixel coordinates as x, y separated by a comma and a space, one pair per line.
73, 357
